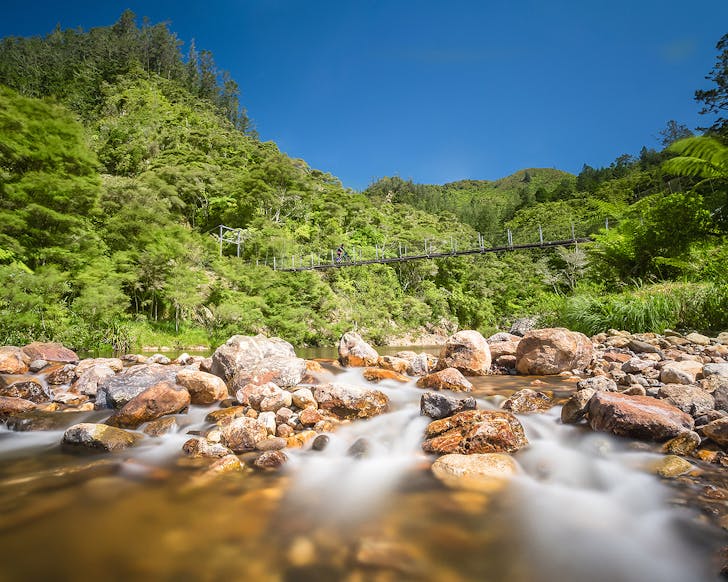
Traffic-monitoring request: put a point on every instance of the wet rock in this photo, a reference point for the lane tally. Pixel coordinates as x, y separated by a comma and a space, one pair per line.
354, 351
61, 374
271, 460
204, 388
41, 420
597, 384
522, 326
526, 401
690, 399
553, 350
684, 372
271, 444
418, 364
438, 406
475, 431
403, 559
243, 434
69, 398
225, 415
347, 401
160, 427
393, 363
717, 431
13, 360
88, 381
379, 374
577, 406
359, 449
203, 448
303, 398
268, 420
265, 397
257, 360
477, 472
310, 416
158, 400
115, 391
51, 352
99, 437
10, 406
30, 389
672, 466
685, 443
37, 365
320, 442
467, 351
447, 379
640, 417
284, 431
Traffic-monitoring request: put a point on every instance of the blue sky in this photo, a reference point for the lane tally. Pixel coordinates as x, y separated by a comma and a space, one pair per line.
437, 90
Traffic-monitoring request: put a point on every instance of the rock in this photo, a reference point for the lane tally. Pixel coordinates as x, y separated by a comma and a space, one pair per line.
42, 420
12, 405
225, 415
116, 364
597, 384
265, 397
699, 339
418, 364
467, 351
271, 460
268, 420
354, 351
447, 379
99, 437
158, 400
115, 391
476, 472
161, 426
204, 388
438, 406
243, 434
347, 401
320, 442
403, 559
715, 370
553, 350
641, 417
576, 407
523, 325
88, 382
617, 357
303, 398
61, 374
271, 444
30, 389
526, 401
637, 390
503, 336
685, 372
641, 347
686, 443
310, 416
13, 360
690, 399
50, 352
203, 448
393, 363
719, 385
501, 349
636, 365
717, 431
672, 466
69, 398
379, 374
475, 431
36, 366
257, 360
359, 449
284, 431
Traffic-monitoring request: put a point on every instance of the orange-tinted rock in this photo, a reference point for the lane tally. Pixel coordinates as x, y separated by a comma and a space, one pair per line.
468, 351
378, 374
160, 399
475, 431
347, 401
553, 350
354, 351
99, 436
393, 363
507, 348
10, 406
204, 388
527, 400
30, 389
50, 352
243, 434
447, 379
13, 360
225, 415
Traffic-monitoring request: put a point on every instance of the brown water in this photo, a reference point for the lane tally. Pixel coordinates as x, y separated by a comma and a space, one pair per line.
584, 508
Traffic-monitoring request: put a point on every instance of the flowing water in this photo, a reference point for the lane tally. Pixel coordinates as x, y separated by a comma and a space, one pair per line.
584, 506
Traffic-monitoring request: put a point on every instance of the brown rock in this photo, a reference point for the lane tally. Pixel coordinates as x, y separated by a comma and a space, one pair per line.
475, 431
88, 381
204, 388
354, 351
271, 460
690, 399
310, 416
115, 391
686, 443
159, 400
684, 372
672, 466
476, 472
418, 364
379, 374
641, 417
13, 360
30, 389
468, 351
50, 352
526, 401
576, 407
59, 374
225, 415
347, 401
99, 437
498, 349
393, 363
116, 364
447, 379
243, 434
161, 426
203, 448
264, 397
10, 406
553, 350
717, 431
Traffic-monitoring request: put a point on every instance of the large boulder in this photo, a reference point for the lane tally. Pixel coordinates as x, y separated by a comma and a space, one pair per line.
50, 352
88, 382
13, 360
116, 364
115, 391
478, 472
354, 351
243, 434
503, 348
436, 405
204, 388
99, 437
475, 431
30, 389
10, 406
467, 351
347, 401
156, 401
687, 398
640, 417
552, 351
257, 360
447, 379
60, 374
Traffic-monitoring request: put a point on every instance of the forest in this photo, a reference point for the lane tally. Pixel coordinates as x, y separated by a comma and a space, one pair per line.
120, 156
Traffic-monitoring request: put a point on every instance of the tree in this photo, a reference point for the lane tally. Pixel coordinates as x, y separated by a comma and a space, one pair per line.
715, 101
673, 132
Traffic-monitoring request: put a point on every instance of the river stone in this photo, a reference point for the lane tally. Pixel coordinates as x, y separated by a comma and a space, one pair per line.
379, 374
354, 351
477, 472
393, 363
690, 399
272, 443
526, 401
116, 364
268, 420
672, 466
641, 347
684, 372
303, 398
13, 360
43, 420
115, 391
51, 352
69, 398
467, 351
204, 388
437, 406
522, 325
576, 407
500, 349
243, 434
61, 374
686, 443
552, 351
698, 338
225, 415
99, 437
447, 379
156, 401
717, 431
418, 364
203, 448
88, 381
30, 389
271, 460
475, 431
12, 405
36, 366
160, 426
597, 384
266, 397
640, 417
715, 370
636, 365
347, 401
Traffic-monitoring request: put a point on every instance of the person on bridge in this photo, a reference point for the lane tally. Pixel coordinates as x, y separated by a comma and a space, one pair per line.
341, 254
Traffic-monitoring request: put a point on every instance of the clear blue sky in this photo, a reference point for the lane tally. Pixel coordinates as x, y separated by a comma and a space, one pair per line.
440, 90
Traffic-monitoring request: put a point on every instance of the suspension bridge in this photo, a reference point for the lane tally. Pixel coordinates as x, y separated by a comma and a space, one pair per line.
355, 256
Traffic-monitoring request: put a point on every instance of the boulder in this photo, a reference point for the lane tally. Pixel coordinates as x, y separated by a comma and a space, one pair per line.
156, 401
10, 406
88, 382
347, 401
204, 388
717, 431
526, 401
500, 349
475, 431
552, 351
522, 326
50, 352
99, 437
354, 351
30, 389
303, 398
393, 363
437, 406
418, 364
266, 397
576, 407
684, 372
115, 391
116, 364
477, 472
61, 374
641, 417
447, 379
160, 426
257, 360
467, 351
243, 434
690, 399
13, 360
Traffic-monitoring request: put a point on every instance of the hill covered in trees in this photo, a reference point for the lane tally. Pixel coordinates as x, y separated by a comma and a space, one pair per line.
119, 157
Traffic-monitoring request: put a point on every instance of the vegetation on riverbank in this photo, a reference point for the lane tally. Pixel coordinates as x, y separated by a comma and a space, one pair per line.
119, 157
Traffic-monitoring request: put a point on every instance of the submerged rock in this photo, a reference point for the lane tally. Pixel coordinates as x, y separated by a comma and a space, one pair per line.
552, 351
347, 401
672, 466
99, 437
467, 351
526, 401
158, 400
475, 431
437, 406
354, 351
476, 472
447, 379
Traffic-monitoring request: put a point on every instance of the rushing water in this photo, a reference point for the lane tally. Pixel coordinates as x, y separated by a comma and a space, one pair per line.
583, 507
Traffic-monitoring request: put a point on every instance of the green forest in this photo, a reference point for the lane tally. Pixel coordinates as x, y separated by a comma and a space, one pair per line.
120, 156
